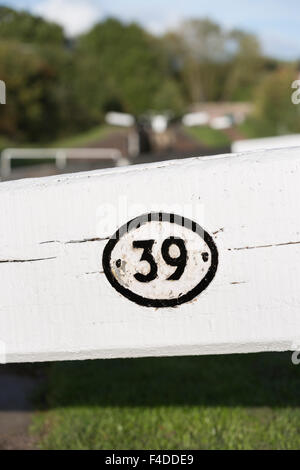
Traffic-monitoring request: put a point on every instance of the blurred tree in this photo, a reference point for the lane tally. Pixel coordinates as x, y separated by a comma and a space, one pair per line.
30, 106
246, 66
168, 98
39, 92
214, 64
23, 26
56, 87
198, 48
38, 69
275, 113
122, 65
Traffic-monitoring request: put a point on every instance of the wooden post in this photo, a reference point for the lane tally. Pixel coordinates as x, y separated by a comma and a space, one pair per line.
199, 256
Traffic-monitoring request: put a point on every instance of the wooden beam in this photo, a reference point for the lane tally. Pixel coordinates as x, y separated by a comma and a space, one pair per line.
73, 285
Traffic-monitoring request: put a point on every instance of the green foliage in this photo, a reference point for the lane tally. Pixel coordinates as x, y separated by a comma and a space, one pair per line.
168, 97
83, 139
30, 110
254, 128
214, 64
122, 66
55, 90
248, 401
38, 70
39, 96
4, 143
56, 87
27, 28
274, 107
246, 67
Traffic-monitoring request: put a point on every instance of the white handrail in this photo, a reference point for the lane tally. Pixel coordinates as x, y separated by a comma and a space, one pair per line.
61, 155
91, 267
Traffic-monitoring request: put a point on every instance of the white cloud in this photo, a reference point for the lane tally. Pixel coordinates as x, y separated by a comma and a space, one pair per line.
76, 16
160, 25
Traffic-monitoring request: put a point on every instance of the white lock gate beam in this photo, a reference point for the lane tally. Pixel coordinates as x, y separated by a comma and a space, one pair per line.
210, 264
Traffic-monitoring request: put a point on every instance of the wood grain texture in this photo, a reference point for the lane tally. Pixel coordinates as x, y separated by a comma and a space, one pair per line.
56, 303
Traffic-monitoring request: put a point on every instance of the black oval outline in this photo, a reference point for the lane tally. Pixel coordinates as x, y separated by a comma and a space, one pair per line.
158, 217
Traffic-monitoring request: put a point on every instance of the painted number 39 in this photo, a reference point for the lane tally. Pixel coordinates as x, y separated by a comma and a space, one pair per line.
179, 261
160, 260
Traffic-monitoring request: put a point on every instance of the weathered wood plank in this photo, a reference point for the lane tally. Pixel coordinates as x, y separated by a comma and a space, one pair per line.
57, 303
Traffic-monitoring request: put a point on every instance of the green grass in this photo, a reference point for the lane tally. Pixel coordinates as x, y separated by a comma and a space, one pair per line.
84, 138
252, 129
208, 136
76, 140
4, 143
217, 402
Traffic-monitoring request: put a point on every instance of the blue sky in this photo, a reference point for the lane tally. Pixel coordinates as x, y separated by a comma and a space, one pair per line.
276, 22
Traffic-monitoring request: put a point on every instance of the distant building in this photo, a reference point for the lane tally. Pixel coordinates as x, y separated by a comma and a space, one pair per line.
216, 112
